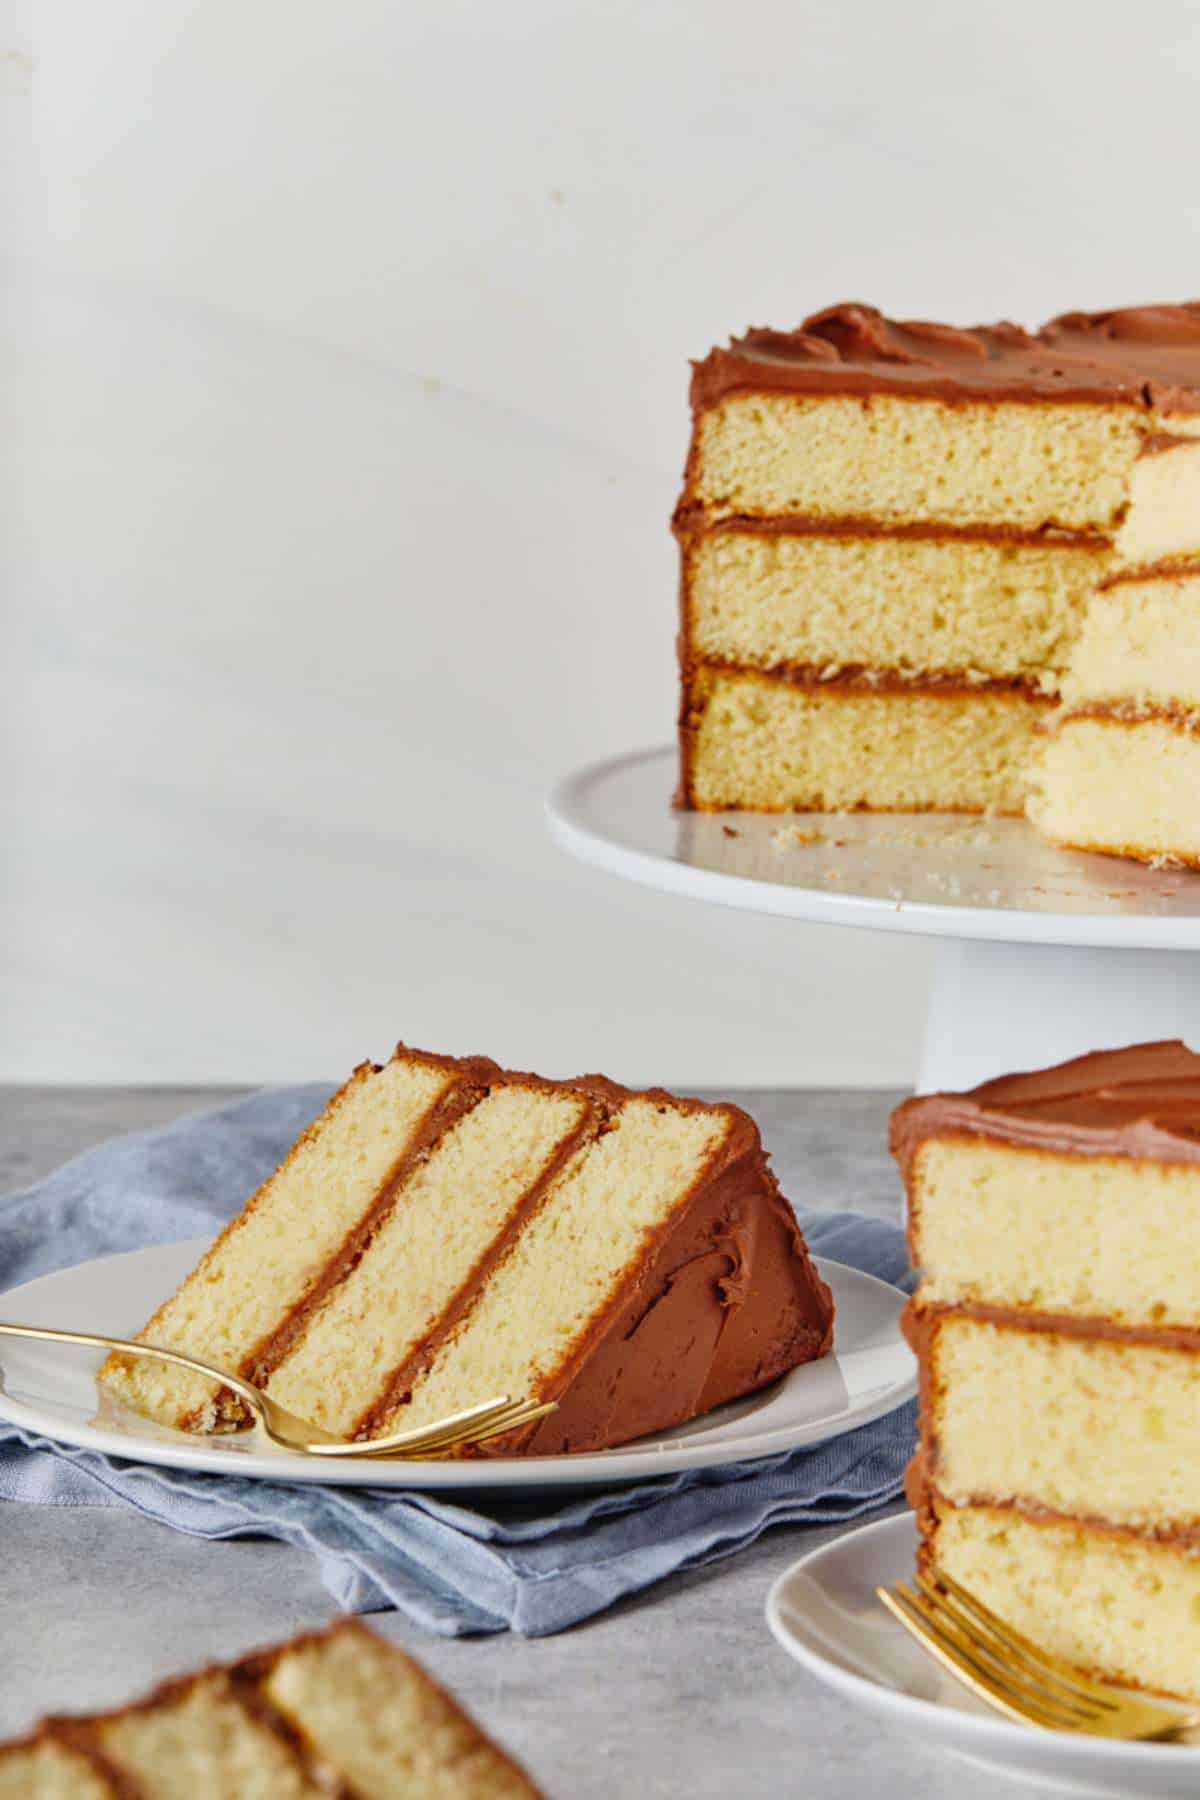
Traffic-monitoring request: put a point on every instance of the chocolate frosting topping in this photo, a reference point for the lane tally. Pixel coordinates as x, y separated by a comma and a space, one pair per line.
1140, 1102
1146, 356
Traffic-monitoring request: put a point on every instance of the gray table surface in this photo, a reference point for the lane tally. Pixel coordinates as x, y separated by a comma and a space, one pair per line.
681, 1691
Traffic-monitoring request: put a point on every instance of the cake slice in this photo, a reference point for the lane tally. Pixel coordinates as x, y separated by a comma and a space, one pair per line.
338, 1713
1055, 1219
891, 535
1120, 771
449, 1231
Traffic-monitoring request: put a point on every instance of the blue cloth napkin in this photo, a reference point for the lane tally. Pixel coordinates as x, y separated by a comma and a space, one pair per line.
536, 1564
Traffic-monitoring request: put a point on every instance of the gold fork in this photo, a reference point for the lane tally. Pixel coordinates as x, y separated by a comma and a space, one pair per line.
473, 1425
1016, 1676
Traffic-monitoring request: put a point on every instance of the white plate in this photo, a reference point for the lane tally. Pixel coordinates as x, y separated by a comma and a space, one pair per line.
48, 1388
824, 1612
939, 874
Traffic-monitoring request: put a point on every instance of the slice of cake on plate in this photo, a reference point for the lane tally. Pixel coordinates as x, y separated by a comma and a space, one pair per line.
1055, 1220
448, 1231
892, 533
341, 1713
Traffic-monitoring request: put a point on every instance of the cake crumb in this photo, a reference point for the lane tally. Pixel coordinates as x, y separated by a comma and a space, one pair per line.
730, 832
789, 835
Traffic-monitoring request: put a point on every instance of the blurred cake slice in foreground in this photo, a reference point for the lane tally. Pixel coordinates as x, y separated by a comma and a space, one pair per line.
1055, 1220
340, 1713
448, 1231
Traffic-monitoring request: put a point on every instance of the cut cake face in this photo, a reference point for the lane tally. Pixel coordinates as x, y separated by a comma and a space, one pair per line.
892, 538
1055, 1219
448, 1231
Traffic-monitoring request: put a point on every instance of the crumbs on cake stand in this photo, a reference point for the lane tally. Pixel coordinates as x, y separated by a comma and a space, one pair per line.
789, 837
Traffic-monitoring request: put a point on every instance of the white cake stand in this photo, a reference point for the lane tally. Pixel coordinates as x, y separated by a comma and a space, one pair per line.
1042, 953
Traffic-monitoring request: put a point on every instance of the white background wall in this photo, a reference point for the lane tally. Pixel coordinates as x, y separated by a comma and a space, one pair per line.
349, 359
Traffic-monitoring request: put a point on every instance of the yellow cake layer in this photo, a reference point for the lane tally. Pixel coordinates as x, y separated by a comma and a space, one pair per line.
424, 1252
1129, 788
1092, 1236
573, 1259
388, 1729
774, 746
1140, 644
974, 606
1127, 1608
1091, 1426
46, 1770
897, 460
278, 1247
205, 1744
1163, 516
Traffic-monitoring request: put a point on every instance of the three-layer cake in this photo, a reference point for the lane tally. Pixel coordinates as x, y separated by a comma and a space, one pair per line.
1055, 1219
448, 1231
891, 537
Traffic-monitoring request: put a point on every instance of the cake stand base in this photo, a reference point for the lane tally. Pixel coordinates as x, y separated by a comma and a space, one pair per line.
1043, 954
996, 1007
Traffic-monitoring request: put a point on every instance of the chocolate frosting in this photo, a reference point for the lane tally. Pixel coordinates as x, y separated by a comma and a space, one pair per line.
1145, 356
728, 1301
1141, 1102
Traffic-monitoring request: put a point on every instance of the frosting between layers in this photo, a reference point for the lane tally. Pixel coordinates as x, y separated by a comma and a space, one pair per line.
925, 1497
857, 678
1131, 712
692, 520
1144, 356
1142, 1102
1172, 568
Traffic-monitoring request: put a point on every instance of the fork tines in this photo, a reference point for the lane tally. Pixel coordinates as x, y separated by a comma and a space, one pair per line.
474, 1426
1015, 1675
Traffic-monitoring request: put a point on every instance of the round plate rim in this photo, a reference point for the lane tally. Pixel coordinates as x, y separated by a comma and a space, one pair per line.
988, 1738
610, 1467
817, 906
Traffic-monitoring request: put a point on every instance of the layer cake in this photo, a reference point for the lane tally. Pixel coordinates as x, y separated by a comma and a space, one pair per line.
1055, 1220
448, 1231
340, 1713
891, 536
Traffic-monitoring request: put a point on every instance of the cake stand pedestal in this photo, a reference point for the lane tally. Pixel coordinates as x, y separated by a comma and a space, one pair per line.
1042, 953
